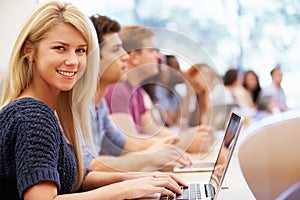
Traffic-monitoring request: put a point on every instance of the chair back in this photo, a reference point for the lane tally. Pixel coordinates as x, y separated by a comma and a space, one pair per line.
269, 155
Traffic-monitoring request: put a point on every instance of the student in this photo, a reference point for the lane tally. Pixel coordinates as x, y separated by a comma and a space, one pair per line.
49, 85
252, 85
200, 92
235, 93
108, 138
165, 94
126, 99
275, 91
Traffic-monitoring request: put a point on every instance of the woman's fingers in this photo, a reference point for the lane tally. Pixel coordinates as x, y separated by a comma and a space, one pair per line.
169, 175
168, 185
142, 187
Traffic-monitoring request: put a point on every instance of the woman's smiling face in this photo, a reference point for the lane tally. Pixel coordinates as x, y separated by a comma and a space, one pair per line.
60, 59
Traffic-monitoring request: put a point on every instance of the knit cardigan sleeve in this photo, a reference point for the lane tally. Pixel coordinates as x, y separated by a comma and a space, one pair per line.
37, 147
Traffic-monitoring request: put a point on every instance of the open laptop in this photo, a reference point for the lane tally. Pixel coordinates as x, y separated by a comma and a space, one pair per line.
209, 166
211, 189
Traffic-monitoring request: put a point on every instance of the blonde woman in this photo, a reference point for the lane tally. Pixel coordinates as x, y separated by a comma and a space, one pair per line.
44, 114
200, 86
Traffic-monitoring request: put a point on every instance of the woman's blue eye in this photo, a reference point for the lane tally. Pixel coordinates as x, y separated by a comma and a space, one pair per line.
81, 50
61, 48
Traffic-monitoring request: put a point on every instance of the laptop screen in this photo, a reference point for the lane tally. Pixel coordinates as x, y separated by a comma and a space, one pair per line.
227, 146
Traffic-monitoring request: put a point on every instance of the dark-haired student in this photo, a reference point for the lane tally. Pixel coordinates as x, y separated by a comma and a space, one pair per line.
117, 152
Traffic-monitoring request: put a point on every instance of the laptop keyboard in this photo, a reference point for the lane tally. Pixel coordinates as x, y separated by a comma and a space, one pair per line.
192, 192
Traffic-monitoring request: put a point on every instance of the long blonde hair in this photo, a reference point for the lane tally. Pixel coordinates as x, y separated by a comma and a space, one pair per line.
72, 106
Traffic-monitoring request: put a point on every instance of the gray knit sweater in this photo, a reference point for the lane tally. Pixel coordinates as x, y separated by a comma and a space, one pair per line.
33, 149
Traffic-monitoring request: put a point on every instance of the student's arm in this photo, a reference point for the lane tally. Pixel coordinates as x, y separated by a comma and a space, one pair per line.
96, 179
125, 123
137, 143
118, 186
134, 185
190, 140
128, 162
140, 141
148, 160
150, 126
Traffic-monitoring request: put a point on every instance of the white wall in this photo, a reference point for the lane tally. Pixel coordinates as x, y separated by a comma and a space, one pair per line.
12, 16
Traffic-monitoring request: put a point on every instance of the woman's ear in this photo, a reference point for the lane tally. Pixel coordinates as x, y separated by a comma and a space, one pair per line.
29, 50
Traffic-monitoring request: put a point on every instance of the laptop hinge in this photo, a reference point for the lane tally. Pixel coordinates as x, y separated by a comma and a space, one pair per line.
209, 190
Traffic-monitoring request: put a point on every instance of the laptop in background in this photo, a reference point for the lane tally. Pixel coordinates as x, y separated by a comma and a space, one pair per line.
219, 115
210, 190
226, 139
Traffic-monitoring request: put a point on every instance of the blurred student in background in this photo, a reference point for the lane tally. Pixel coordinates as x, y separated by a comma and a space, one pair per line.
264, 104
110, 142
234, 90
202, 103
252, 85
164, 95
126, 100
275, 91
235, 93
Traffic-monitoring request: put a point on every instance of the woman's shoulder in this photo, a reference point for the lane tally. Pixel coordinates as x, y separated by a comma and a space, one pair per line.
28, 108
27, 103
32, 116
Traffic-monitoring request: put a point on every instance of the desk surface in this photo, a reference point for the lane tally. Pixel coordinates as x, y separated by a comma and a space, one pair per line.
238, 188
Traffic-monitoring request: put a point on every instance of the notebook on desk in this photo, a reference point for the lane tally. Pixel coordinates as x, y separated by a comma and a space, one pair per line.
210, 190
199, 166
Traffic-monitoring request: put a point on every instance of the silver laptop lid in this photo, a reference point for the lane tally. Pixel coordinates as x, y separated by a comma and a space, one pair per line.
225, 153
